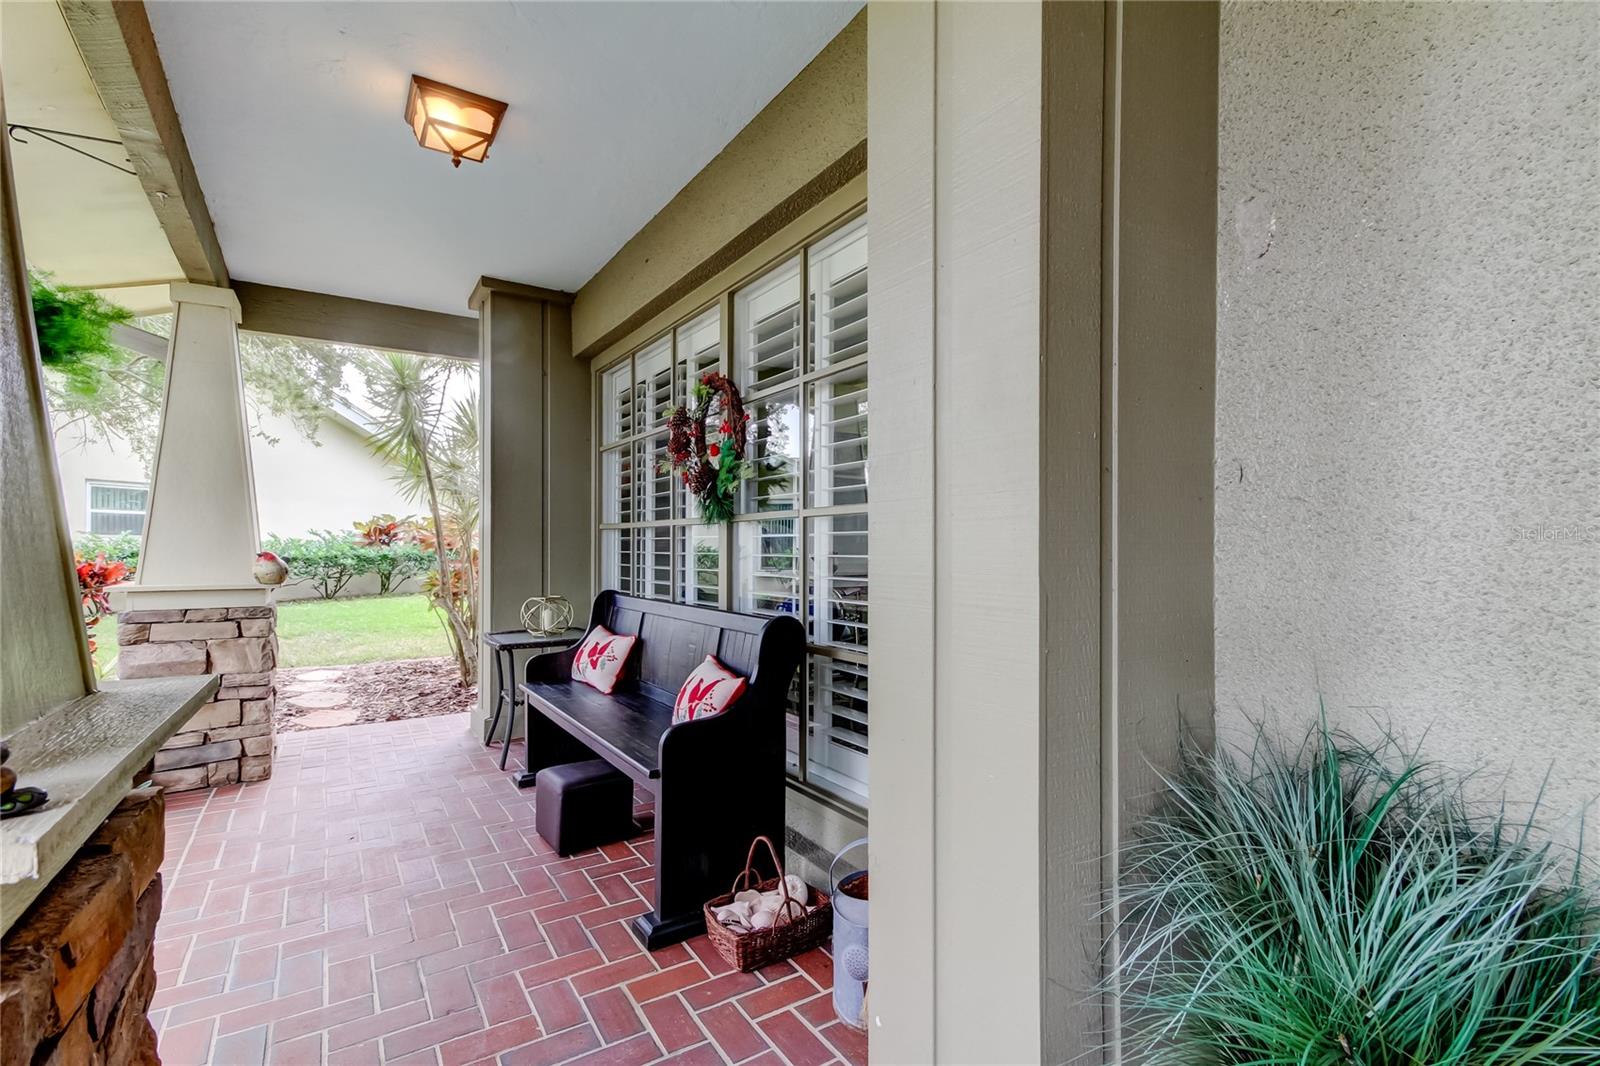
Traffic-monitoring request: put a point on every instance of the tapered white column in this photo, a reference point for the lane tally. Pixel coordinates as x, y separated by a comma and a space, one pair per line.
201, 531
195, 607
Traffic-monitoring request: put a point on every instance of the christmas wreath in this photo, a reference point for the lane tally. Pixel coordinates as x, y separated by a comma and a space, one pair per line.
705, 445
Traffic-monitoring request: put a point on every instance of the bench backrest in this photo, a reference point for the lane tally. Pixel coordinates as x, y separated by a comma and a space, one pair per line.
675, 638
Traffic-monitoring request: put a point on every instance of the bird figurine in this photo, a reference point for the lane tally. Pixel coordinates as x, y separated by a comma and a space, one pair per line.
269, 569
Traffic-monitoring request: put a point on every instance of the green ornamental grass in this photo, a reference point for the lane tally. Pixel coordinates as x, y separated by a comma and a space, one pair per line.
1335, 902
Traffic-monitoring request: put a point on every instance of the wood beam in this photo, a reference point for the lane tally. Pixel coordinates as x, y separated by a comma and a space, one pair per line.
343, 320
119, 51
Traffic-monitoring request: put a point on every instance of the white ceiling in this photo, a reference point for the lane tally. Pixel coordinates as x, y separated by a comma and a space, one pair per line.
293, 114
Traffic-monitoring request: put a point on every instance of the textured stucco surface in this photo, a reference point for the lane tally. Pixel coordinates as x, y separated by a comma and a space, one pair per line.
1408, 376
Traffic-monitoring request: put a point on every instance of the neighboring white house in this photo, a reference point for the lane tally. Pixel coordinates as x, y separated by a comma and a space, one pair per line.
301, 484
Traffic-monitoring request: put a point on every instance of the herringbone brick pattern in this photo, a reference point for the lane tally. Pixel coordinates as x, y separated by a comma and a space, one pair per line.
385, 899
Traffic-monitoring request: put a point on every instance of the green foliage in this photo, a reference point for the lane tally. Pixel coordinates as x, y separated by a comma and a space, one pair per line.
328, 561
436, 448
325, 560
1341, 903
297, 380
116, 547
395, 564
96, 389
114, 395
75, 331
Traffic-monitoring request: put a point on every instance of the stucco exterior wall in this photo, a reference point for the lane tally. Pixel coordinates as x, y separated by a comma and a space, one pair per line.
818, 118
1408, 379
300, 485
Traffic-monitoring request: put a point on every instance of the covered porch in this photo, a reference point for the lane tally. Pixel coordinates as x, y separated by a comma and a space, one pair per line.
1188, 386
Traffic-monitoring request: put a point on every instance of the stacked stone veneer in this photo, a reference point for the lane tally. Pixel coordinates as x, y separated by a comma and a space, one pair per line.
230, 738
77, 970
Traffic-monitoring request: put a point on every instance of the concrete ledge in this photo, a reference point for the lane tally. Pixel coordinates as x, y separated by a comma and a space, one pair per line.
85, 755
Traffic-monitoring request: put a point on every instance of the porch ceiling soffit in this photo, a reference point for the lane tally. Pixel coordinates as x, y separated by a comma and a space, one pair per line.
119, 52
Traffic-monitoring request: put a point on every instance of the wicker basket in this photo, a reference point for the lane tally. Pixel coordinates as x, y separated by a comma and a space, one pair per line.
763, 947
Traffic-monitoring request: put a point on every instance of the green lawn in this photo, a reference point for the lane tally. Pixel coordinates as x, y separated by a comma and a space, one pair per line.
332, 632
364, 630
105, 639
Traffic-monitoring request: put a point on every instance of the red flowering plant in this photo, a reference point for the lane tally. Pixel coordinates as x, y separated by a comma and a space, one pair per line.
94, 578
706, 445
382, 531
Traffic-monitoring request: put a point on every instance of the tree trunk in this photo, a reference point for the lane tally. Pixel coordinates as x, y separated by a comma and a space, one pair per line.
466, 659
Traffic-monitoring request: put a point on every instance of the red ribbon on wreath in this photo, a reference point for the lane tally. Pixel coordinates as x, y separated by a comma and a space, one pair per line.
706, 445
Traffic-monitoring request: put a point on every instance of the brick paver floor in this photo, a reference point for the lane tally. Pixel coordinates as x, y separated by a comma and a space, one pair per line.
385, 899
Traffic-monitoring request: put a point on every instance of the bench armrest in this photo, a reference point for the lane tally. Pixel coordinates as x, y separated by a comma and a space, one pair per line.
549, 666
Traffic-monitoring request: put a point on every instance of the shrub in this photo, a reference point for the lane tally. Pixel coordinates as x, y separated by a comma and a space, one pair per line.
116, 547
1340, 903
325, 560
329, 561
396, 563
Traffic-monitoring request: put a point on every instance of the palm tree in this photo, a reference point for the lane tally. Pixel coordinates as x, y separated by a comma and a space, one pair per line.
435, 447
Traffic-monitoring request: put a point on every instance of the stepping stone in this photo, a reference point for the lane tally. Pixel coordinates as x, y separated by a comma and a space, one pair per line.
318, 700
320, 675
327, 719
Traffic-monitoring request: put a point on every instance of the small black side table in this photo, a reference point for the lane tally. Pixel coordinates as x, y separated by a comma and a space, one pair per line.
504, 645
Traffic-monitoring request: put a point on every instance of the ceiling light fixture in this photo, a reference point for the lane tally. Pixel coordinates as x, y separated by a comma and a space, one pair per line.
451, 120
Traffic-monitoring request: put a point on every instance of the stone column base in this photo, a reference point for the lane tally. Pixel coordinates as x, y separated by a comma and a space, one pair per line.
229, 739
79, 966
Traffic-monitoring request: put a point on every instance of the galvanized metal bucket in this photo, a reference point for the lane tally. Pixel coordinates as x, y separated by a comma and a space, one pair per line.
849, 943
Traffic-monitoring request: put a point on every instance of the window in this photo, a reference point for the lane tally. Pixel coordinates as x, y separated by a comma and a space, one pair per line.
117, 507
650, 544
798, 544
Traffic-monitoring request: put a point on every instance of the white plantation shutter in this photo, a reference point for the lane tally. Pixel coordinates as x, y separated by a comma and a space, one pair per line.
699, 350
836, 750
838, 574
655, 562
617, 484
837, 268
767, 328
799, 538
653, 379
616, 397
839, 439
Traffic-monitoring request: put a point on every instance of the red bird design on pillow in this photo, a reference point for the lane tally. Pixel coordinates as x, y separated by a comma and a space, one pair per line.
600, 652
709, 690
699, 697
601, 658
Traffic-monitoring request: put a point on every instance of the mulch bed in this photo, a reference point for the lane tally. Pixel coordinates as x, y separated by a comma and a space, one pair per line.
385, 692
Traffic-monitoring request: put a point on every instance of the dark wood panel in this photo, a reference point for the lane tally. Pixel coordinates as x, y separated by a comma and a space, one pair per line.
624, 728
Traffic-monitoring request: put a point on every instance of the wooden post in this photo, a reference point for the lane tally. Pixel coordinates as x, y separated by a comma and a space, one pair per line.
44, 654
534, 432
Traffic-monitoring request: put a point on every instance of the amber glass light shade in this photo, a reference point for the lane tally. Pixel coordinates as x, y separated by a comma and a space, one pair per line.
451, 120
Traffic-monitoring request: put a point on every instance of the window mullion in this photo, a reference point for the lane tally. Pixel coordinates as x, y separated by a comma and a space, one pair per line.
802, 523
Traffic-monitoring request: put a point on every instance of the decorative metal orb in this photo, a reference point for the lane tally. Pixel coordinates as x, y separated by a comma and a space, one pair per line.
546, 616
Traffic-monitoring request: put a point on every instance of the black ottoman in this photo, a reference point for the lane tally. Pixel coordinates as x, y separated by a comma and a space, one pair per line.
581, 805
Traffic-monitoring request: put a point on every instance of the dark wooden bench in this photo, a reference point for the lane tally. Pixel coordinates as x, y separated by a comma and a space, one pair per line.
718, 782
